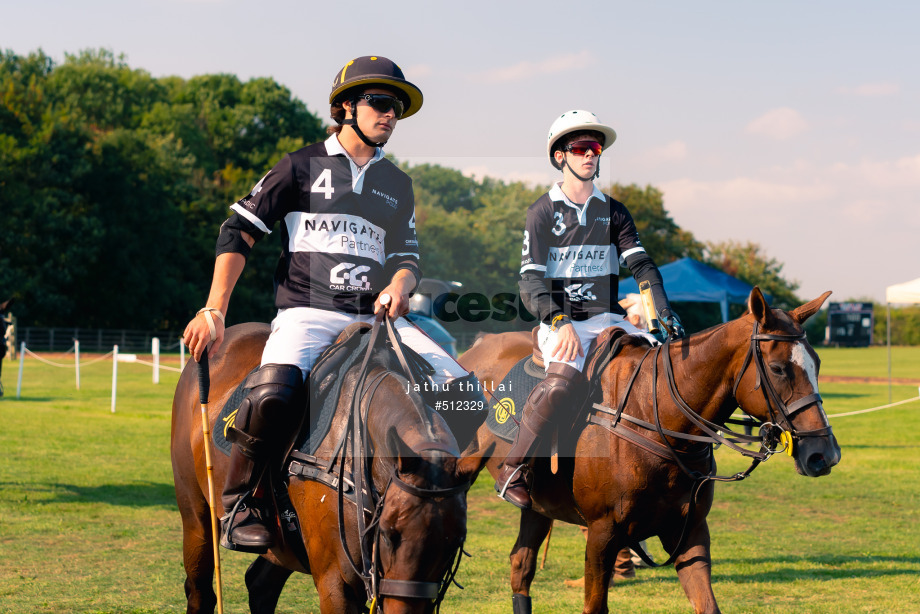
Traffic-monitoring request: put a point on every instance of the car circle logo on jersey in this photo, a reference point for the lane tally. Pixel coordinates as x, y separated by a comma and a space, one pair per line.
504, 409
349, 277
579, 292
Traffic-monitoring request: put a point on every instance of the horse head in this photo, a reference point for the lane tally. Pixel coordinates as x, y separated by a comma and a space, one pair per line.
778, 384
422, 522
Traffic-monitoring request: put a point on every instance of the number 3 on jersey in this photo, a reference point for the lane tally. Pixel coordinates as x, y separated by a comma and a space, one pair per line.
323, 184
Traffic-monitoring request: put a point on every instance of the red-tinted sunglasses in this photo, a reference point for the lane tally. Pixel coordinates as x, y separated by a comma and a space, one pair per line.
580, 148
383, 103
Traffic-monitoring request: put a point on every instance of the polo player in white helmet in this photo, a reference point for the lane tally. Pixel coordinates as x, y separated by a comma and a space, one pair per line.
575, 238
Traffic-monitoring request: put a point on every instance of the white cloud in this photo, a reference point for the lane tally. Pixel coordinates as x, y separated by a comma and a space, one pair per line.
674, 151
527, 69
418, 71
779, 124
877, 89
741, 196
882, 174
830, 224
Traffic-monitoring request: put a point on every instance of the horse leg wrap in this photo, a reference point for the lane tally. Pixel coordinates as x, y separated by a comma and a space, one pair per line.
521, 604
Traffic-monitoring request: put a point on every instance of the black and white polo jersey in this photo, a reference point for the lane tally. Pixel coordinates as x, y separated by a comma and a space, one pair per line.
345, 230
579, 249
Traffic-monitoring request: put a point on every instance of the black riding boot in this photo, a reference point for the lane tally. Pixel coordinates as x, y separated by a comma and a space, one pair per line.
261, 433
563, 391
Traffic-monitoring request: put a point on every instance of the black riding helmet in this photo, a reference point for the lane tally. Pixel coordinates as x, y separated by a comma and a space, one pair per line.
371, 71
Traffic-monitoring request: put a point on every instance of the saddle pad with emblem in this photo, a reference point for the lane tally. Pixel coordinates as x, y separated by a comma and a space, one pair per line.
508, 398
324, 393
227, 414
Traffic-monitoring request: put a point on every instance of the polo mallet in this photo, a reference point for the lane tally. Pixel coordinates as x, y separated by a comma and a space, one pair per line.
204, 386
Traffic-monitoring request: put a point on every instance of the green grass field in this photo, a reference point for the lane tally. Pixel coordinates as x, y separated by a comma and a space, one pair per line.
89, 524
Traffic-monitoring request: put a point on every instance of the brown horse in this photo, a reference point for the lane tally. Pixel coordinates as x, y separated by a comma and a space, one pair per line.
634, 473
415, 498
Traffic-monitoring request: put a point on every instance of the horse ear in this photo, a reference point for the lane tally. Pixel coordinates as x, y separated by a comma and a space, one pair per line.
406, 458
758, 306
803, 312
467, 468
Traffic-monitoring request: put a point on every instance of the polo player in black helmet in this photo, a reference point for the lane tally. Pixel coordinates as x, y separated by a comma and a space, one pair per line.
349, 250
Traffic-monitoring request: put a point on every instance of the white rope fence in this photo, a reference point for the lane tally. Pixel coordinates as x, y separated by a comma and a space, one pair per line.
114, 355
155, 351
871, 409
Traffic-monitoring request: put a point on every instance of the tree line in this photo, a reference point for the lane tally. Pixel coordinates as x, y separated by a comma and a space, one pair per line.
113, 185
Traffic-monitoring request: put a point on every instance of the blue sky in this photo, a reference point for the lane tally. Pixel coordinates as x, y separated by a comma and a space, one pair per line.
795, 125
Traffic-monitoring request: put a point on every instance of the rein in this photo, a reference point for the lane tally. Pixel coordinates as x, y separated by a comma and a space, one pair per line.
767, 436
367, 497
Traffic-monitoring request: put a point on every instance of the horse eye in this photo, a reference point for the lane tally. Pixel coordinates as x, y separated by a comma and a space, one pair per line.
390, 538
777, 368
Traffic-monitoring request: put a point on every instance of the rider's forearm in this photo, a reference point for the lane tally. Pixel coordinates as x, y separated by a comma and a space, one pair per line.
404, 280
643, 268
227, 270
538, 298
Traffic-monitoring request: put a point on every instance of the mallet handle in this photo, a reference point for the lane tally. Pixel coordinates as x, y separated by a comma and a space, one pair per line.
204, 386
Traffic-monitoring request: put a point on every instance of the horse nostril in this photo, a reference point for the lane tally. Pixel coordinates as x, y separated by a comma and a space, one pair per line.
817, 464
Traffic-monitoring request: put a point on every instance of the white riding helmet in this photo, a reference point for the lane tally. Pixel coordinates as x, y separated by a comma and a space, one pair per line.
574, 121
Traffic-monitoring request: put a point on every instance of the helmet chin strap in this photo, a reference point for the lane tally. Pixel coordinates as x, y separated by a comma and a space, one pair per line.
353, 122
597, 171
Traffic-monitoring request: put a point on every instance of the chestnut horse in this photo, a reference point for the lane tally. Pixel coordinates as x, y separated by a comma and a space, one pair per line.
635, 473
415, 498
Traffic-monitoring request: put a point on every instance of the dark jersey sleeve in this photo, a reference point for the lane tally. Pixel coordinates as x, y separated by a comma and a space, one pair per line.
634, 256
401, 242
623, 233
271, 199
536, 290
536, 248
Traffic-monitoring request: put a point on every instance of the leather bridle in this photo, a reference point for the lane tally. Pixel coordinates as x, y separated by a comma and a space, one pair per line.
367, 497
770, 435
781, 414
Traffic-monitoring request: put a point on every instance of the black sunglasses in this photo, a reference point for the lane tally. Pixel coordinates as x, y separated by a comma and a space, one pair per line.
580, 148
383, 103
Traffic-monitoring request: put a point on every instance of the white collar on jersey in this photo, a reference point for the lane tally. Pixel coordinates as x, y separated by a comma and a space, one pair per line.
334, 147
556, 194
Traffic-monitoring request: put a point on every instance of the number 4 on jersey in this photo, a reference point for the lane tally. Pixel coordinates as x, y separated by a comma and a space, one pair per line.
323, 184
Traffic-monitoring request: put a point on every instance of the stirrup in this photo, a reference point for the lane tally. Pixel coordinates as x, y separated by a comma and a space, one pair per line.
519, 469
228, 526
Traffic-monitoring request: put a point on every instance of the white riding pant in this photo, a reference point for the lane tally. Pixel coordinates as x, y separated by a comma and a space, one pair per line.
587, 331
300, 334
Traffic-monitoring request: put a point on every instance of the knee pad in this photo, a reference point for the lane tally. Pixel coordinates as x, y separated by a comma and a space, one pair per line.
271, 410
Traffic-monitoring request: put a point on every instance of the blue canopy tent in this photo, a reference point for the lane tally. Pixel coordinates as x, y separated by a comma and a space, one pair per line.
692, 281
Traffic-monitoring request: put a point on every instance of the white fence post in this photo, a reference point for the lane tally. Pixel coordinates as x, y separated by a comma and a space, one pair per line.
22, 356
155, 350
76, 359
114, 375
181, 354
